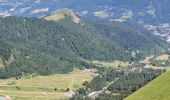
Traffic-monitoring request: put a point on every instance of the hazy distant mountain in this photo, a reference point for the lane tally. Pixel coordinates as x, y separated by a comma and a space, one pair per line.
152, 14
147, 11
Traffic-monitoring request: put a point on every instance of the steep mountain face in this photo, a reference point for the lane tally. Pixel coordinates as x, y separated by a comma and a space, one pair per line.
48, 47
130, 37
152, 14
57, 43
63, 34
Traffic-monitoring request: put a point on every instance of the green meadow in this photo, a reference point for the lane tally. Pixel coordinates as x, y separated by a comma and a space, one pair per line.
53, 87
158, 89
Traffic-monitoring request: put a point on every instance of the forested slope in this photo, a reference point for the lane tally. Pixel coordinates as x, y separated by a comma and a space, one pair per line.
35, 45
43, 46
129, 36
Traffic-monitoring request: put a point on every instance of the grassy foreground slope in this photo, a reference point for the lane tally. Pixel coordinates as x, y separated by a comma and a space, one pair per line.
158, 89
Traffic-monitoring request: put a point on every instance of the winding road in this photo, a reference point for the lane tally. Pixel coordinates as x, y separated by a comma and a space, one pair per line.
95, 94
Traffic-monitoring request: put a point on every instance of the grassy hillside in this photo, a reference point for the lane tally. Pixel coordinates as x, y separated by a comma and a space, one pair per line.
111, 64
60, 14
63, 13
157, 89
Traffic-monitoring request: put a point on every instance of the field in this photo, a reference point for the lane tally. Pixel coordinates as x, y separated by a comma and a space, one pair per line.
163, 57
146, 60
42, 87
112, 64
158, 89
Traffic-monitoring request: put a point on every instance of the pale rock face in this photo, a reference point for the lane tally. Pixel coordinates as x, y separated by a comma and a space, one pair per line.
39, 10
161, 30
73, 15
11, 59
168, 39
101, 14
1, 63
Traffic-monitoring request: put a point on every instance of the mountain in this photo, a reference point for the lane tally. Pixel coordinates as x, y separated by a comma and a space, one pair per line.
145, 10
55, 44
63, 13
51, 47
129, 37
151, 14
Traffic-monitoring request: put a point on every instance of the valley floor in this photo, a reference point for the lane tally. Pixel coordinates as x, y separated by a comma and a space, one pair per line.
53, 87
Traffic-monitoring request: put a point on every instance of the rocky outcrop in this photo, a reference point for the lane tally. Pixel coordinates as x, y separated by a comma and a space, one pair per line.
64, 13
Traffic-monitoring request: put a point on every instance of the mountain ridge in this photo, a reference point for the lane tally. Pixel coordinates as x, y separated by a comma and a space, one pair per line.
62, 13
151, 14
50, 46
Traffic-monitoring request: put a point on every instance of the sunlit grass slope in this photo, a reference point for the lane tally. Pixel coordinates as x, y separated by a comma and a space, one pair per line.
158, 89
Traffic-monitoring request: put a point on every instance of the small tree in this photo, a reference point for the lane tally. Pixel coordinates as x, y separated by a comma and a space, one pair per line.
68, 89
55, 89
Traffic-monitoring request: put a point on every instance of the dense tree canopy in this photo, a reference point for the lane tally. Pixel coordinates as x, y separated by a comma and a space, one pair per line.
44, 47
